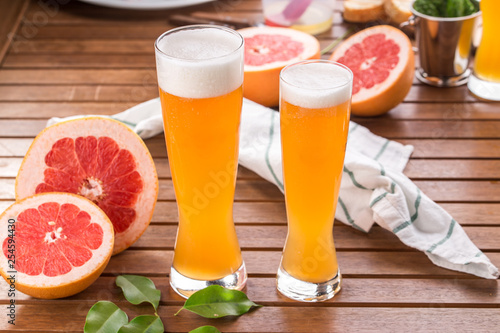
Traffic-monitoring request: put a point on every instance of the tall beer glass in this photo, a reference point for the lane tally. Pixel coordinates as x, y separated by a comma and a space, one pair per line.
200, 76
485, 79
315, 107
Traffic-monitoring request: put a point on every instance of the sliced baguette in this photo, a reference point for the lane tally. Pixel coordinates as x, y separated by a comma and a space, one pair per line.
364, 10
398, 11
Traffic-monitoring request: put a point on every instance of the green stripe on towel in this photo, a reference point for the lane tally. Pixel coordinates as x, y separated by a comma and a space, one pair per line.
351, 175
413, 217
348, 216
448, 235
381, 151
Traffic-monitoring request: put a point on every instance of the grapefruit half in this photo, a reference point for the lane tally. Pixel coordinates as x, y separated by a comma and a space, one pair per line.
100, 159
54, 244
267, 51
382, 61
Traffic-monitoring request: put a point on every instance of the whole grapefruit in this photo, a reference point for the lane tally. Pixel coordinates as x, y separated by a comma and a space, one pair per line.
267, 51
54, 244
382, 61
100, 159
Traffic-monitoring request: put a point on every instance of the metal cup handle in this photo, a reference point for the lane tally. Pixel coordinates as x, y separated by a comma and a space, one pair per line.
410, 24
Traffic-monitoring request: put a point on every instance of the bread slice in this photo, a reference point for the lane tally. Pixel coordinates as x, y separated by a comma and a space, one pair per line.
364, 10
398, 10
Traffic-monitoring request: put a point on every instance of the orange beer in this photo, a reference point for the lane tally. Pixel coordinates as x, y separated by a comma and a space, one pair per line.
485, 79
200, 76
487, 62
203, 152
314, 113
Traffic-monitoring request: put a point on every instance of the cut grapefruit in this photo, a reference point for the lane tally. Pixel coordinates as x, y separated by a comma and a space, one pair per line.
54, 244
382, 61
100, 159
267, 51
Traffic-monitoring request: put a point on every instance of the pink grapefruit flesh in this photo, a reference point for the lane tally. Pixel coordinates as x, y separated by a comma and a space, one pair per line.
382, 62
101, 160
56, 244
267, 51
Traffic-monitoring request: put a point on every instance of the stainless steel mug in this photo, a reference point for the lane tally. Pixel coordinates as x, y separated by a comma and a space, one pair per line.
444, 45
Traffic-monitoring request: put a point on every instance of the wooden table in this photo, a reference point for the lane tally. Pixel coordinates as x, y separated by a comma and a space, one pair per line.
81, 59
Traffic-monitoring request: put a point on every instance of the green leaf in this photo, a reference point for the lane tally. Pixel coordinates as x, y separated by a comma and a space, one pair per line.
138, 289
205, 329
143, 324
216, 302
104, 317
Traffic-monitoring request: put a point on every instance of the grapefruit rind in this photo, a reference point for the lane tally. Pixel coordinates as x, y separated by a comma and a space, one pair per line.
31, 172
384, 96
261, 83
79, 278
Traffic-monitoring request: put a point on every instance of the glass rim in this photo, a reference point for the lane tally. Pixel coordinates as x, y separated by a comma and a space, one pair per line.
324, 61
195, 27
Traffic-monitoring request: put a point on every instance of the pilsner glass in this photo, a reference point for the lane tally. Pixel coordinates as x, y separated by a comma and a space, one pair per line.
200, 77
315, 106
485, 79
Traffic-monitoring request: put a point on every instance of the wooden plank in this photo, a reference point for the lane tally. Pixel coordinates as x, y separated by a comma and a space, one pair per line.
451, 169
453, 148
261, 190
79, 93
346, 238
96, 46
445, 111
81, 61
404, 292
86, 46
433, 129
134, 31
71, 318
353, 264
11, 14
423, 149
46, 110
147, 77
79, 76
397, 130
416, 169
466, 214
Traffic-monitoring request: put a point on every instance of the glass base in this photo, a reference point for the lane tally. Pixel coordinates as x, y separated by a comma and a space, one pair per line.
307, 291
185, 286
484, 89
448, 81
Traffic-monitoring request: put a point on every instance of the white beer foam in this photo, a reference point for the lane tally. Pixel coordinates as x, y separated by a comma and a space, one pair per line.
316, 85
199, 63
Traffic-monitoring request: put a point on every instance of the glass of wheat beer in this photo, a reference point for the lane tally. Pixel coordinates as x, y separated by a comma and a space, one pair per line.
200, 77
315, 105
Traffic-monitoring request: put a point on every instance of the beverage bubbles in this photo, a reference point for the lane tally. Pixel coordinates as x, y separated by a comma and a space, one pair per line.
199, 62
316, 85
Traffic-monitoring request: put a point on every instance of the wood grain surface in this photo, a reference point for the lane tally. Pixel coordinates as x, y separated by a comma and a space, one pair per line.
68, 58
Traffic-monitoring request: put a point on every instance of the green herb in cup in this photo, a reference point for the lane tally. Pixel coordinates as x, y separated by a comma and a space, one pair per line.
446, 8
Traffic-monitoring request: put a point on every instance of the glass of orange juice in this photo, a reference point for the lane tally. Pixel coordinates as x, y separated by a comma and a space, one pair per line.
485, 80
315, 106
200, 77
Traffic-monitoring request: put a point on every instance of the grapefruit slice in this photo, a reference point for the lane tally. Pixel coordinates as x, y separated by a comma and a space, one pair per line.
382, 61
267, 51
54, 244
100, 159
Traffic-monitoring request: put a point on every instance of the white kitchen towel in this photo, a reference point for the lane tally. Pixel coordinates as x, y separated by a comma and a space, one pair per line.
373, 188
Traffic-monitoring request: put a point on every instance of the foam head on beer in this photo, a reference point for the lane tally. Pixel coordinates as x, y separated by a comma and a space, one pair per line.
199, 62
316, 85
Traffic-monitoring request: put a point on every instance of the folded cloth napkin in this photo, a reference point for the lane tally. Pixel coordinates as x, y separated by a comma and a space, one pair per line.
373, 188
